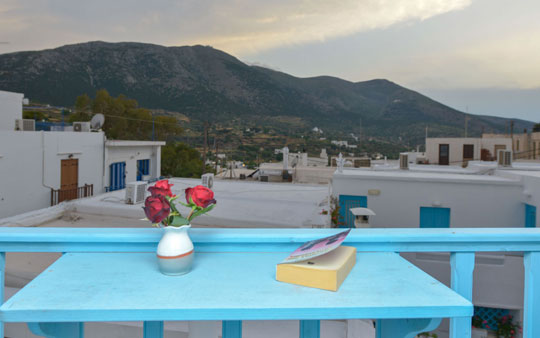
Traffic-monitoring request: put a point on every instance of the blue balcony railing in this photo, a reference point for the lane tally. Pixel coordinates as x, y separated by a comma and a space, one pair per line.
462, 244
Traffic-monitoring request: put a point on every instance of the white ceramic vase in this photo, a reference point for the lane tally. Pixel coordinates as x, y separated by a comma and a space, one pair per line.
175, 251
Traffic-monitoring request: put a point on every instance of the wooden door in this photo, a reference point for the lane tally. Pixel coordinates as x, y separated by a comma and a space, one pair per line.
69, 180
444, 154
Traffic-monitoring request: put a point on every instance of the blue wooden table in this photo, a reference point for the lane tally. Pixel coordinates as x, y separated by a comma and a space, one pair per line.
232, 287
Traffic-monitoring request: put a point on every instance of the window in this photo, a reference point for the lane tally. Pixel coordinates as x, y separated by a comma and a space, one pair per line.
517, 145
468, 151
431, 217
143, 168
117, 176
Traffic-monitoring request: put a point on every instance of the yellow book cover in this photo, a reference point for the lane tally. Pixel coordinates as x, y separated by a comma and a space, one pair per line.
323, 272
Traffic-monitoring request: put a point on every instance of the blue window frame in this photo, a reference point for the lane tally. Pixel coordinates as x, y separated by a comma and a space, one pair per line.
431, 217
530, 216
143, 168
117, 176
346, 202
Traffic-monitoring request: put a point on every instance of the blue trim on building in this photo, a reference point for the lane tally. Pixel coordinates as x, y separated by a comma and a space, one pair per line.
346, 202
530, 216
117, 176
432, 217
143, 168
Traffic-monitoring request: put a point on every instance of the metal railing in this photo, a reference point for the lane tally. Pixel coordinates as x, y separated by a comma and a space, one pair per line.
61, 195
461, 243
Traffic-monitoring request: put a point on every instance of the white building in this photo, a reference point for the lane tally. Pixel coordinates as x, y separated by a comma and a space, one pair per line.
10, 109
460, 150
40, 169
482, 195
339, 143
141, 161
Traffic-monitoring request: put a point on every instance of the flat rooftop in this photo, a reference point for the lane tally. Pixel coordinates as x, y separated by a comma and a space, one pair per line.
239, 204
426, 175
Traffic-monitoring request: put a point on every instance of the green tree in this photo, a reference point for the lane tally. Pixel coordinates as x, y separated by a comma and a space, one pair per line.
79, 117
124, 119
536, 127
180, 160
82, 103
34, 114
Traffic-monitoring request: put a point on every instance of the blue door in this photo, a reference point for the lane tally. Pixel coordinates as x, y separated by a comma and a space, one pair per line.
117, 176
143, 168
434, 217
346, 202
530, 216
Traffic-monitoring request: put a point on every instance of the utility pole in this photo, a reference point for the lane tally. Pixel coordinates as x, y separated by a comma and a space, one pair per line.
205, 145
512, 134
466, 120
153, 122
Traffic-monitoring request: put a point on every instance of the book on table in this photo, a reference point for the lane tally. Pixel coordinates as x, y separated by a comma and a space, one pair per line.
322, 264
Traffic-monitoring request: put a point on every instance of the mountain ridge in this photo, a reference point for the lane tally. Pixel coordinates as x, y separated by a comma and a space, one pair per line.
208, 84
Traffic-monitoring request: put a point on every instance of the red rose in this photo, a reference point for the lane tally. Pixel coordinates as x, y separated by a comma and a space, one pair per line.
156, 208
201, 196
161, 188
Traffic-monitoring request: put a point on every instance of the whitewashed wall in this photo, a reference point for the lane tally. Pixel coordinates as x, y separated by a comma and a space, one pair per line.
10, 109
482, 202
30, 165
474, 202
130, 152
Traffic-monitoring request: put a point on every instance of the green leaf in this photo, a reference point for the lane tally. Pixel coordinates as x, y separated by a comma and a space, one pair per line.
202, 211
178, 221
184, 204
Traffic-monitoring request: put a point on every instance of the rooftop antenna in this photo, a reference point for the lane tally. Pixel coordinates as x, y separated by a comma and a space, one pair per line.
97, 121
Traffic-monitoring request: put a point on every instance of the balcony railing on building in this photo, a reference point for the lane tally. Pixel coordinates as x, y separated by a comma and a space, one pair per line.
462, 244
61, 195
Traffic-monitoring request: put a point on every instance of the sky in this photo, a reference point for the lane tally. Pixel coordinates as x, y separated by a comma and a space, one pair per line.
479, 56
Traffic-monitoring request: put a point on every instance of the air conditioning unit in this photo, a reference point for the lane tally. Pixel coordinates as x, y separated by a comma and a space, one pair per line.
504, 158
135, 192
25, 124
404, 161
81, 126
208, 180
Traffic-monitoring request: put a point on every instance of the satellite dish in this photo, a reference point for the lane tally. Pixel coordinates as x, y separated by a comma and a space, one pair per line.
97, 121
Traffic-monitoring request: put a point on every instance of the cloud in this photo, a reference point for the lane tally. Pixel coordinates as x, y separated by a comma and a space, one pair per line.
254, 26
236, 26
505, 61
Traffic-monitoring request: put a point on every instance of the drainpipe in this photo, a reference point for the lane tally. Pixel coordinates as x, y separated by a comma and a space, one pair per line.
104, 167
43, 161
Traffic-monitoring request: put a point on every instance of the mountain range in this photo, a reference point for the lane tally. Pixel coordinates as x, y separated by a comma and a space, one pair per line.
207, 84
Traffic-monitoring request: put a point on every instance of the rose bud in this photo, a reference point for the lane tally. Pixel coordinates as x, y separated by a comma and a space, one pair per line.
161, 188
156, 208
201, 196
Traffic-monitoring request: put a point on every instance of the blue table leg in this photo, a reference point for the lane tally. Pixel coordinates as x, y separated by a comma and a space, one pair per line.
57, 330
2, 281
153, 329
462, 265
531, 307
405, 328
231, 329
310, 329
